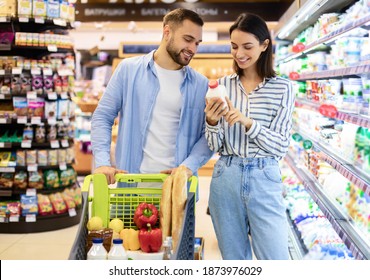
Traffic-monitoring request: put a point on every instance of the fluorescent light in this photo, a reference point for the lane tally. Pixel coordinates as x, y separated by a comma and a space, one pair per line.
302, 15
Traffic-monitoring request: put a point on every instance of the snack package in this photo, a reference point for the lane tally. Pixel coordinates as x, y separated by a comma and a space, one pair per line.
48, 83
62, 156
68, 199
20, 106
62, 108
37, 84
42, 157
52, 157
64, 177
51, 178
29, 204
106, 234
58, 203
21, 158
36, 180
6, 180
44, 204
70, 155
50, 109
31, 157
8, 159
36, 107
13, 209
26, 82
16, 84
20, 180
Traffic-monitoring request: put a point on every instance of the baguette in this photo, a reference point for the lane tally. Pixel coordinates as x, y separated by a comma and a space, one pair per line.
165, 207
179, 197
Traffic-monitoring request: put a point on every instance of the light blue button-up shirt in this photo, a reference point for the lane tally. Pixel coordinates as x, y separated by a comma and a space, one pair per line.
131, 93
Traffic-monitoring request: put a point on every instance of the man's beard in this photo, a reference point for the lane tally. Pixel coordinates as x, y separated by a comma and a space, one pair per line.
176, 55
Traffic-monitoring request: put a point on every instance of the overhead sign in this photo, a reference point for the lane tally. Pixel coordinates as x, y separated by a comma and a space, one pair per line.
210, 12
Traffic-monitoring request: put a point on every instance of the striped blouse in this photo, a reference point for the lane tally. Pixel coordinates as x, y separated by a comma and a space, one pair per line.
270, 106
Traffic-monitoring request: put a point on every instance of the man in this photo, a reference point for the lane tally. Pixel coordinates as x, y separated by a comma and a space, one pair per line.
160, 101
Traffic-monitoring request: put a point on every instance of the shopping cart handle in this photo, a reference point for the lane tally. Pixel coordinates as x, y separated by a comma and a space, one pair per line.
86, 184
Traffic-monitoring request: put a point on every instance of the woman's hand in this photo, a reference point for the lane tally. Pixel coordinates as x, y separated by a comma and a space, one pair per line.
214, 110
234, 116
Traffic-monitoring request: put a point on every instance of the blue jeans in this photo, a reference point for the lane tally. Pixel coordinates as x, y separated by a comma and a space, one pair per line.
246, 195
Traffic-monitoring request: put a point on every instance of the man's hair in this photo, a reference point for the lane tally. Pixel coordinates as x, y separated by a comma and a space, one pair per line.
177, 17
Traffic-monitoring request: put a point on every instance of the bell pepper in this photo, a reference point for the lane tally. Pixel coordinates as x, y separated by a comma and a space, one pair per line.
130, 239
150, 239
145, 213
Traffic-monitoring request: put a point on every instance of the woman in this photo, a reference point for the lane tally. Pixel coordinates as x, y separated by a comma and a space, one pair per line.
251, 135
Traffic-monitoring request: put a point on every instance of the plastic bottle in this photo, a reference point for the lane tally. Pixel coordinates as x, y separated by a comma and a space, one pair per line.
117, 251
97, 251
216, 90
166, 250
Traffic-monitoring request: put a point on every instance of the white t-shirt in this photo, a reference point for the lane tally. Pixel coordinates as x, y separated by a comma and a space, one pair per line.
160, 145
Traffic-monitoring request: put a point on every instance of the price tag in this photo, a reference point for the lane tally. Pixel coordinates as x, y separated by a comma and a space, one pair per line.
52, 48
31, 95
36, 71
47, 72
60, 22
22, 119
3, 19
2, 72
26, 144
2, 96
65, 120
40, 20
72, 212
54, 144
16, 70
2, 120
14, 219
62, 166
52, 121
2, 144
52, 96
35, 120
31, 192
64, 143
32, 168
7, 169
24, 19
2, 219
64, 95
30, 218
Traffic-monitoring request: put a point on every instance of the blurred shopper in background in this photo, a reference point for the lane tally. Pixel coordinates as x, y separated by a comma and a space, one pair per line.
251, 135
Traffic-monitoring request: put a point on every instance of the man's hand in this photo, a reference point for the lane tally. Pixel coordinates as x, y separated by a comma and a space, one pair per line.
215, 110
172, 171
109, 173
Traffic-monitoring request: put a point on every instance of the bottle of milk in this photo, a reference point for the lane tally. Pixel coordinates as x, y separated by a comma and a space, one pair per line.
216, 90
97, 251
117, 252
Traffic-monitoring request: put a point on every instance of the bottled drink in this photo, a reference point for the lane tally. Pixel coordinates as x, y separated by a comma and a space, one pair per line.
97, 251
166, 250
117, 251
169, 240
216, 90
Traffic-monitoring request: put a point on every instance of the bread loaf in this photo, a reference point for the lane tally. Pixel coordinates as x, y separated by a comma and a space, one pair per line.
165, 207
179, 197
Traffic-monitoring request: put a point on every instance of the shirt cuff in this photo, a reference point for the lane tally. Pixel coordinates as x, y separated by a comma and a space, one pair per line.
254, 130
102, 159
213, 128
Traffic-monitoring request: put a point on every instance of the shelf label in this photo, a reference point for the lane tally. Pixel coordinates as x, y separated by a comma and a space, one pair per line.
26, 144
2, 72
2, 220
60, 22
32, 168
2, 144
2, 96
16, 70
39, 20
52, 48
24, 19
36, 71
65, 120
52, 96
7, 169
54, 144
47, 71
31, 192
31, 95
30, 218
22, 119
3, 19
35, 120
72, 212
52, 121
14, 219
62, 166
65, 143
64, 95
2, 120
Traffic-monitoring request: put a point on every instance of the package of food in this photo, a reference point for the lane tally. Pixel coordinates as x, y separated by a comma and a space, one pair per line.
16, 84
20, 180
51, 179
58, 203
31, 157
6, 180
52, 157
64, 177
21, 158
68, 199
37, 84
20, 106
8, 159
106, 234
50, 109
62, 108
70, 155
13, 209
35, 179
45, 207
29, 204
42, 157
36, 107
26, 81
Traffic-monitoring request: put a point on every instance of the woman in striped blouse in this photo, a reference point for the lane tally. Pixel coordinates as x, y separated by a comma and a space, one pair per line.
251, 135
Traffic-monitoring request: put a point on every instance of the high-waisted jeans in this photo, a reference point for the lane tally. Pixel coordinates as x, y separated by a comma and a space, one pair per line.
246, 195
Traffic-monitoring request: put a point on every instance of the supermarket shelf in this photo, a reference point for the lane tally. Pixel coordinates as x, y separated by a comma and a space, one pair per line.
296, 249
360, 120
344, 228
361, 68
39, 23
327, 39
343, 166
64, 143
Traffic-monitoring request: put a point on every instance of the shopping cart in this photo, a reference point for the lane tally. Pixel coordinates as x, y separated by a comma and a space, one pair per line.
109, 202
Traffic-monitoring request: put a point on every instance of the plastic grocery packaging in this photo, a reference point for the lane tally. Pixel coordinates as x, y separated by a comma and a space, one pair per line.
97, 251
216, 90
117, 251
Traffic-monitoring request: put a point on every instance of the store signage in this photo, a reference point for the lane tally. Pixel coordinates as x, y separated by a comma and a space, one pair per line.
211, 12
159, 1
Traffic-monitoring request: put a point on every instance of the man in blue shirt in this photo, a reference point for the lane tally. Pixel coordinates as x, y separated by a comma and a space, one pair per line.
160, 101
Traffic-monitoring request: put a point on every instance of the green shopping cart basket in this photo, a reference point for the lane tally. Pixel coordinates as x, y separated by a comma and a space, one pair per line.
109, 202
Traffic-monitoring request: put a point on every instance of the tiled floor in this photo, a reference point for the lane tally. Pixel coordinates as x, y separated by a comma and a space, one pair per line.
56, 245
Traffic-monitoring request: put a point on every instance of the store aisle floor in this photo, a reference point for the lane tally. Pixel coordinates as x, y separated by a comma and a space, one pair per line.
56, 245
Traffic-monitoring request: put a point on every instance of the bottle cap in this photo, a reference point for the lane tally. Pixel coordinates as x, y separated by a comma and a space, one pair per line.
97, 240
117, 241
213, 84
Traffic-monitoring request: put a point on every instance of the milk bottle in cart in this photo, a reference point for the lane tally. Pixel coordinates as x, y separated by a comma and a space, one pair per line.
216, 90
97, 250
117, 251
